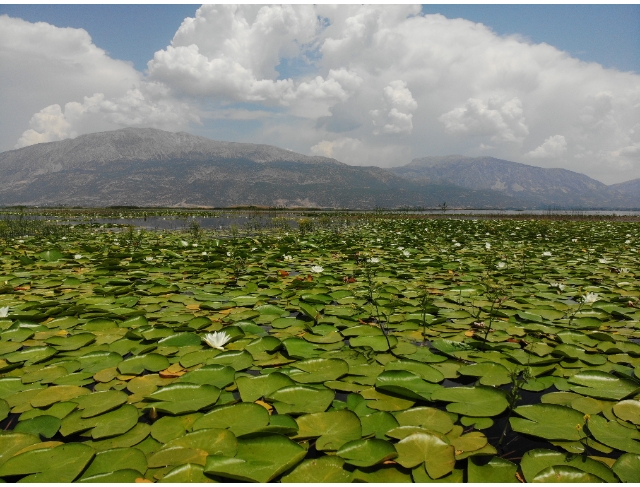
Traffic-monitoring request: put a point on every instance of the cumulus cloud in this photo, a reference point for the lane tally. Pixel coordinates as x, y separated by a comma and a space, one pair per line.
495, 119
554, 146
146, 106
396, 117
368, 84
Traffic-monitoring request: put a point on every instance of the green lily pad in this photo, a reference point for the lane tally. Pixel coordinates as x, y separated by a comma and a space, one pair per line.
627, 467
613, 434
490, 374
385, 402
177, 455
432, 450
44, 425
259, 459
4, 409
320, 370
429, 418
62, 463
628, 410
565, 474
426, 372
153, 362
480, 401
114, 460
187, 473
491, 470
99, 402
213, 441
366, 453
127, 475
549, 421
113, 423
536, 461
53, 394
326, 469
301, 399
602, 385
241, 419
181, 398
253, 388
406, 384
215, 375
378, 424
332, 429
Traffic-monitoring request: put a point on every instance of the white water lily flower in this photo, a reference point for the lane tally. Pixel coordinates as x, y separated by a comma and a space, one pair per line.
400, 248
373, 260
317, 268
4, 312
590, 298
487, 246
627, 241
194, 245
406, 253
77, 256
184, 243
604, 261
148, 259
546, 254
558, 285
204, 253
217, 339
228, 254
501, 265
623, 270
287, 257
574, 239
457, 244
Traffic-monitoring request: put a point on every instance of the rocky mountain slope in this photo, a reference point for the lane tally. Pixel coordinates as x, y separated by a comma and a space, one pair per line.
533, 185
149, 167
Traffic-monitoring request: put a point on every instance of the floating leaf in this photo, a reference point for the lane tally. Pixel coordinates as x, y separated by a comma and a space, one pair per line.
116, 459
366, 453
549, 421
241, 419
59, 464
326, 469
613, 434
628, 410
602, 385
301, 399
429, 418
405, 384
477, 401
253, 388
333, 429
181, 398
259, 459
491, 470
627, 467
432, 450
44, 425
535, 461
216, 375
187, 473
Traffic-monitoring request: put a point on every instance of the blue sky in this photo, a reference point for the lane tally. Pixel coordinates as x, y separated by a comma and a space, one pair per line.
546, 85
606, 34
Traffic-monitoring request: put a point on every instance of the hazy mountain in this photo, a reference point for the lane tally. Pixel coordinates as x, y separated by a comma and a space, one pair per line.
631, 188
534, 185
149, 167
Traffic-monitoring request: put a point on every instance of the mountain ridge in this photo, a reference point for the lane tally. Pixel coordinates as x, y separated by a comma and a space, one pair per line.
152, 167
532, 184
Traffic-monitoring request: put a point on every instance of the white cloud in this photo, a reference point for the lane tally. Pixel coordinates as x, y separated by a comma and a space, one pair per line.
370, 84
396, 117
554, 146
502, 121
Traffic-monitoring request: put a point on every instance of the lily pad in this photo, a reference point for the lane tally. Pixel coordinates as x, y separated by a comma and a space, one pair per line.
480, 401
259, 459
366, 453
326, 469
332, 429
181, 398
241, 419
433, 450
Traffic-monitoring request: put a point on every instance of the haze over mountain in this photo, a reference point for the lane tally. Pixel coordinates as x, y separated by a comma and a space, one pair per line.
532, 185
150, 167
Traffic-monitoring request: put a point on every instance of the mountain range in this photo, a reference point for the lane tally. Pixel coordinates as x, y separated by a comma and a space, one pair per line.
150, 167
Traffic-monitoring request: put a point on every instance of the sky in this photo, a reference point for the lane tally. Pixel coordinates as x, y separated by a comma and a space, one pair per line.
546, 85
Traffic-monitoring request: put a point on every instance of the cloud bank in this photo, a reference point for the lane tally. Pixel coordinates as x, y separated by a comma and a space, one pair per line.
368, 85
